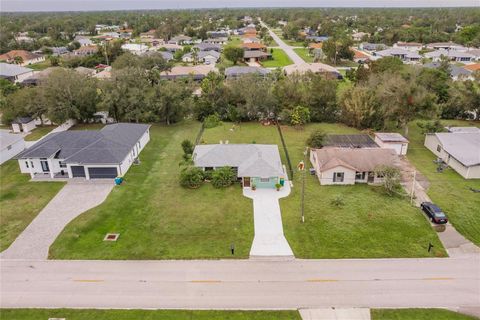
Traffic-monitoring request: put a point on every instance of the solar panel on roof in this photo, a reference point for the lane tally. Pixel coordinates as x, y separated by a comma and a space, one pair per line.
350, 141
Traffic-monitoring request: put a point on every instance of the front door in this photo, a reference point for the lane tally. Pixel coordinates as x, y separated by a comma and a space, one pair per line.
246, 182
45, 167
371, 177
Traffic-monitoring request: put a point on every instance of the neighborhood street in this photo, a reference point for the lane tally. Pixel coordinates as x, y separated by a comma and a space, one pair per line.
285, 47
242, 284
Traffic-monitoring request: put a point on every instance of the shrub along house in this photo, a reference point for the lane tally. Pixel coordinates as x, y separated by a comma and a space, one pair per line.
256, 165
105, 153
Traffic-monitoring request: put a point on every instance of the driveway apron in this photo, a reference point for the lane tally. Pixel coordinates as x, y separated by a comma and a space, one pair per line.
269, 240
74, 199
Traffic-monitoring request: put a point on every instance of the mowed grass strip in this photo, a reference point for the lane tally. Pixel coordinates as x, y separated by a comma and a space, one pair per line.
449, 190
20, 201
159, 219
39, 132
369, 225
279, 59
418, 314
82, 314
304, 54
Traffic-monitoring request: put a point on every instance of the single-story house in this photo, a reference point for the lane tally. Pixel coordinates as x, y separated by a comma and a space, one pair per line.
358, 36
86, 51
254, 46
360, 56
403, 54
410, 46
197, 72
23, 124
180, 40
168, 56
170, 47
392, 140
255, 164
208, 47
459, 149
317, 67
83, 41
251, 40
10, 145
207, 57
453, 55
135, 48
445, 46
25, 57
456, 72
473, 67
316, 38
238, 71
219, 40
371, 47
256, 55
58, 51
39, 76
90, 154
350, 165
14, 73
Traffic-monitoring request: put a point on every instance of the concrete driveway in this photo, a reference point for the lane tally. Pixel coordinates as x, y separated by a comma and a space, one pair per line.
75, 198
269, 240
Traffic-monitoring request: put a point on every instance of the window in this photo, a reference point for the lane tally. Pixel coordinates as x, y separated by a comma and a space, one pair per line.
208, 168
26, 163
264, 180
360, 176
31, 163
338, 176
439, 148
62, 164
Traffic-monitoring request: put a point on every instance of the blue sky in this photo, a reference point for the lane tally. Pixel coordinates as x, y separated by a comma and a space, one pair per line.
85, 5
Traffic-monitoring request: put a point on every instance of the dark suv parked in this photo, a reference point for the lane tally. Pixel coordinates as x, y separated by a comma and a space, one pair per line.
434, 213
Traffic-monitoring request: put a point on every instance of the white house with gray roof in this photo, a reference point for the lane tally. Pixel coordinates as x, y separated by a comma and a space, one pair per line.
255, 164
14, 73
90, 154
459, 149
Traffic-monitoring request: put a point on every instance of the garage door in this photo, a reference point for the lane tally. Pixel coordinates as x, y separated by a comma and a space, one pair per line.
78, 171
102, 173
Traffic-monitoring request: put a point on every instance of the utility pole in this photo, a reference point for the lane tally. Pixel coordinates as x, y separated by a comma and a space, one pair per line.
303, 183
413, 186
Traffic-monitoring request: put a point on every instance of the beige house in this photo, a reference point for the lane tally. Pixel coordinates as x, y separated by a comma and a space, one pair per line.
342, 166
459, 149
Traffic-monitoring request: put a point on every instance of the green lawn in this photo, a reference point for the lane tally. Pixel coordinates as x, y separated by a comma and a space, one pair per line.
40, 66
370, 225
418, 314
234, 41
87, 126
82, 314
304, 54
39, 132
156, 217
292, 43
279, 59
448, 189
20, 200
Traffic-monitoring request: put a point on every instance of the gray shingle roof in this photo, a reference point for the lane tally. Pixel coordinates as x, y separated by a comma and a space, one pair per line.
12, 70
239, 70
108, 146
463, 146
252, 160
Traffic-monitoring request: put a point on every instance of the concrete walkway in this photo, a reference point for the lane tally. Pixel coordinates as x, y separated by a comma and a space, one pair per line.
285, 47
269, 240
74, 199
335, 314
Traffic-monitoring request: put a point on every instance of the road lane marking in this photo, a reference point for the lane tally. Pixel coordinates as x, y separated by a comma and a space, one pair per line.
205, 281
87, 280
322, 280
437, 279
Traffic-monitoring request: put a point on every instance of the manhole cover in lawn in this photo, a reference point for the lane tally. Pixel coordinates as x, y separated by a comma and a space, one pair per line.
111, 237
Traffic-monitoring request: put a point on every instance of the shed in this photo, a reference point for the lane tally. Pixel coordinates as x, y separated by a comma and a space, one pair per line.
392, 140
23, 124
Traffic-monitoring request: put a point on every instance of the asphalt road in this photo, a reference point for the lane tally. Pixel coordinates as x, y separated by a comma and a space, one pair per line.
241, 284
282, 45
